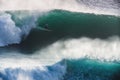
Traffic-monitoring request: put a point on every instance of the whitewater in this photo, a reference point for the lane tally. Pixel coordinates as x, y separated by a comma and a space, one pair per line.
83, 43
110, 7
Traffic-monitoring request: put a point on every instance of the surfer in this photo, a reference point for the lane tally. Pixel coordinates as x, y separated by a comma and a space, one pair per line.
45, 28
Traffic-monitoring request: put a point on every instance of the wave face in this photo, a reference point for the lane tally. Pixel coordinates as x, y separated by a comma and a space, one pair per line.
57, 42
65, 24
85, 69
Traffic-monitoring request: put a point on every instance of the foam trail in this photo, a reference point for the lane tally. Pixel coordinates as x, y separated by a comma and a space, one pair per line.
109, 7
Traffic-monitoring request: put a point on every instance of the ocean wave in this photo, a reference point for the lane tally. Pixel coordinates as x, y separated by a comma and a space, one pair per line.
65, 24
60, 23
86, 69
53, 72
82, 69
59, 40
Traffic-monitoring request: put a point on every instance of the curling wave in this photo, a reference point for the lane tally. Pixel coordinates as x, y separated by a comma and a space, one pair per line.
16, 26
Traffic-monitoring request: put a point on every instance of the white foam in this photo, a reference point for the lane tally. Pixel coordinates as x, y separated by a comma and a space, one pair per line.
17, 66
9, 33
55, 72
104, 50
109, 7
17, 60
107, 50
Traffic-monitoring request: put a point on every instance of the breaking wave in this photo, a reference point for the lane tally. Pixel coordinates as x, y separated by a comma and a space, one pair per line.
110, 7
60, 40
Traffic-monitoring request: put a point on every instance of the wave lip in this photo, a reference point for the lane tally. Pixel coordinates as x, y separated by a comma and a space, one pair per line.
109, 7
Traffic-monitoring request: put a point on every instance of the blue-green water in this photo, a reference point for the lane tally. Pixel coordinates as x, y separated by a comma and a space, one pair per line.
79, 46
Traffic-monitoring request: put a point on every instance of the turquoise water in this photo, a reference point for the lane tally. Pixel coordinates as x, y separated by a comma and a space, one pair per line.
65, 24
85, 69
81, 46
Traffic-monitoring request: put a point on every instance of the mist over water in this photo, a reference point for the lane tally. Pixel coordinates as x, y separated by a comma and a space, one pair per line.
81, 41
110, 7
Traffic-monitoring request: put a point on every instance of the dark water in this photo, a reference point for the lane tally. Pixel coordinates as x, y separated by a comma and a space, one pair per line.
85, 69
65, 26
